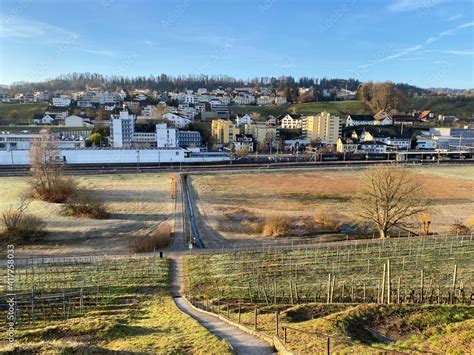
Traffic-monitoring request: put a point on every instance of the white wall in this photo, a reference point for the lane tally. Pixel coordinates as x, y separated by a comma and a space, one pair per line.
113, 156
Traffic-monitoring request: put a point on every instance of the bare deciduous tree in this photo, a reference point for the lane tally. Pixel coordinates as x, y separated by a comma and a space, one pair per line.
47, 182
389, 197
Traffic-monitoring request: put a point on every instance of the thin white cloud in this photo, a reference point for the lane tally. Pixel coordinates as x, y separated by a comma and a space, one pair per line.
416, 48
471, 53
17, 28
412, 5
102, 52
454, 17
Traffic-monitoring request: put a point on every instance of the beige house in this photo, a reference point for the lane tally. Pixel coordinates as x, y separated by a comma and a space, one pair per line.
324, 126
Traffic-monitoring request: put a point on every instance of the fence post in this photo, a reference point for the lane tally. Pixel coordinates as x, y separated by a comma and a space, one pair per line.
284, 335
81, 302
422, 285
255, 319
32, 305
239, 312
228, 314
277, 325
455, 274
328, 346
389, 288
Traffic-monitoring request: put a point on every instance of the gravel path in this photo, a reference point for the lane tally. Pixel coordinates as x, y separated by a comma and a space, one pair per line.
241, 342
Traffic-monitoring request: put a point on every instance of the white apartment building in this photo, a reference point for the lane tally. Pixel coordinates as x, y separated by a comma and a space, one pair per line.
189, 98
122, 128
179, 121
166, 137
107, 98
264, 100
149, 111
290, 121
62, 101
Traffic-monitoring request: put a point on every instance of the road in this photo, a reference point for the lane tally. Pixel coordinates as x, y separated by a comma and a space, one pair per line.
241, 342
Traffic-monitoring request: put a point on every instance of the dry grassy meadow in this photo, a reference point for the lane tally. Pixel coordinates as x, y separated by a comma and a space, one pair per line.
228, 200
135, 202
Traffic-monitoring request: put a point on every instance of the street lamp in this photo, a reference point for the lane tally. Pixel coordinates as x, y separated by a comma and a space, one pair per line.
138, 160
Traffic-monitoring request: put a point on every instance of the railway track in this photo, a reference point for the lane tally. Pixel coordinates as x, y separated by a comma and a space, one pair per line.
97, 169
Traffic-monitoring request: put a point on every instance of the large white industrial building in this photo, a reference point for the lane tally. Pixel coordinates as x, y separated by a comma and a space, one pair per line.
118, 156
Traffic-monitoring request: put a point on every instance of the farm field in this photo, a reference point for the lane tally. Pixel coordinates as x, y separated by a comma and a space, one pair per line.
342, 108
227, 202
101, 305
137, 203
22, 113
402, 293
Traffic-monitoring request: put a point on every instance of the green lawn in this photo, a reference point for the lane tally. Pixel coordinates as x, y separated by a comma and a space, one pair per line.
341, 108
24, 114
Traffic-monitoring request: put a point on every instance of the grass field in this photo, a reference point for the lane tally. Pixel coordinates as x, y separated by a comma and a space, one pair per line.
355, 302
25, 112
124, 307
136, 203
227, 201
461, 107
341, 108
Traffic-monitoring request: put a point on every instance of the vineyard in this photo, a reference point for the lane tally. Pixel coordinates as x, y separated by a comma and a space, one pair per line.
329, 293
61, 288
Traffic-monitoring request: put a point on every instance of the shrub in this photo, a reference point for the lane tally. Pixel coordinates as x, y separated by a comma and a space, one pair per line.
276, 226
58, 190
325, 219
22, 226
459, 228
158, 238
85, 205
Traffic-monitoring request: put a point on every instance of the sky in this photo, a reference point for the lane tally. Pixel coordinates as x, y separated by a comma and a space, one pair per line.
428, 43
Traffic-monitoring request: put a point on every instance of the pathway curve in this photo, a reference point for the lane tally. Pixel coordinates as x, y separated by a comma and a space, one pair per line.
241, 342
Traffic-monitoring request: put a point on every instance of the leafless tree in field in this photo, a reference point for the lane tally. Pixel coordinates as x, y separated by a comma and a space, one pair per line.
389, 197
48, 182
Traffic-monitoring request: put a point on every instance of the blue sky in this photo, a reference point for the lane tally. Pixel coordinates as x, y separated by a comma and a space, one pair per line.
429, 43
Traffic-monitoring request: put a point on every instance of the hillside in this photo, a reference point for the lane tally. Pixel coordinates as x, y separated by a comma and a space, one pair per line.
20, 113
462, 107
341, 108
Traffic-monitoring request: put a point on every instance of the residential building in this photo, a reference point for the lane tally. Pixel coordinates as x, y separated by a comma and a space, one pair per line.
149, 111
166, 137
280, 100
60, 114
221, 110
344, 94
122, 128
243, 119
290, 121
372, 147
324, 126
265, 100
24, 139
62, 101
406, 120
46, 119
78, 121
360, 120
187, 139
178, 120
224, 131
346, 145
244, 141
263, 135
144, 139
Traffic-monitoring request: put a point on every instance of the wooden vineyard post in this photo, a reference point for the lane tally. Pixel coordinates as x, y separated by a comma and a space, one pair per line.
228, 312
328, 346
291, 293
455, 275
277, 324
81, 302
422, 285
382, 293
328, 298
32, 305
332, 288
284, 335
255, 319
389, 290
64, 305
398, 289
275, 292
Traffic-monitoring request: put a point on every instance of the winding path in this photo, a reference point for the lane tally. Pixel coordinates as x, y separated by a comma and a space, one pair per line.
241, 342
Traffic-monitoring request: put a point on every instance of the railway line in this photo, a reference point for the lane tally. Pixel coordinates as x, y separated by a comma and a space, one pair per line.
97, 169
